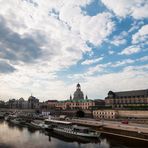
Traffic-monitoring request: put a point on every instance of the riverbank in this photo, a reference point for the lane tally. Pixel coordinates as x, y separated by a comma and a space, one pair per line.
129, 131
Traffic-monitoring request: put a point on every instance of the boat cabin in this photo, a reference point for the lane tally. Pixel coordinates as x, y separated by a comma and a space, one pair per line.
56, 123
81, 129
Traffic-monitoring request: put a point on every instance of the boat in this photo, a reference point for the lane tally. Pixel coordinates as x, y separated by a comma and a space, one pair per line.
16, 121
66, 128
2, 115
69, 139
37, 124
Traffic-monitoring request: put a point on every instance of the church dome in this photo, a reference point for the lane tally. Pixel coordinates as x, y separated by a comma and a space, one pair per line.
78, 94
78, 85
21, 99
31, 98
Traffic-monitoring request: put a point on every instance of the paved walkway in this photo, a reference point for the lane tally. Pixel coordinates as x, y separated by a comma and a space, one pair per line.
140, 128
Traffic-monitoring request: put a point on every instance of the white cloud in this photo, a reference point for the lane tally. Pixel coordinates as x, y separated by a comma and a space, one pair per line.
128, 78
135, 25
120, 39
130, 50
121, 63
141, 36
92, 61
111, 52
96, 29
122, 8
61, 29
143, 59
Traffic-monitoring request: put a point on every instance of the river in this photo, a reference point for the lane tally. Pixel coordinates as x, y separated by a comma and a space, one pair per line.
12, 136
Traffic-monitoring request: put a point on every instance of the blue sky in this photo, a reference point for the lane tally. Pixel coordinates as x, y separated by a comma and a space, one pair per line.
47, 47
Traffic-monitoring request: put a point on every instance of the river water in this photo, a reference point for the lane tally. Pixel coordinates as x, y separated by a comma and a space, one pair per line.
12, 136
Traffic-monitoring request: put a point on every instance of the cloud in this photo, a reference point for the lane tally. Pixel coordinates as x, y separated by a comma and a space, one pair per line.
14, 47
130, 50
6, 68
129, 77
143, 59
94, 34
92, 61
141, 36
135, 8
39, 38
135, 25
120, 39
122, 63
111, 52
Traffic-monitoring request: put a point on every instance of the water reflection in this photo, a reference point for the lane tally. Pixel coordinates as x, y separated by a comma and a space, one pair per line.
12, 136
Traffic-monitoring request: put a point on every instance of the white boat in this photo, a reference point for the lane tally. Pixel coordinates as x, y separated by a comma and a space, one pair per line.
15, 121
38, 124
68, 129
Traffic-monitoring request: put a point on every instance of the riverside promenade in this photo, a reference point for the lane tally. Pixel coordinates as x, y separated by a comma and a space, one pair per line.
131, 130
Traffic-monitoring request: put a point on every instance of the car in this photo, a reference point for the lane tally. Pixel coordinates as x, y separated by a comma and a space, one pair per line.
125, 122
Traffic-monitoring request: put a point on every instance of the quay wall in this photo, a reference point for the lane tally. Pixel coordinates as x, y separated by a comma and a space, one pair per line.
110, 130
18, 110
133, 113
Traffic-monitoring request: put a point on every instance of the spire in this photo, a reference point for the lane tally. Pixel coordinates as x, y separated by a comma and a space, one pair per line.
86, 97
78, 86
70, 97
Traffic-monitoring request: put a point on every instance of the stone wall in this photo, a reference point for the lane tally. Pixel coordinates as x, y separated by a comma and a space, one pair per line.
133, 113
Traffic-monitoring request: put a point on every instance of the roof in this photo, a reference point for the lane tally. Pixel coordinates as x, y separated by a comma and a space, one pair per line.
80, 100
131, 93
80, 127
58, 121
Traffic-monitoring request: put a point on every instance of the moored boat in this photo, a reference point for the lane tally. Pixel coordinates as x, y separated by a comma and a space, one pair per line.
37, 124
68, 129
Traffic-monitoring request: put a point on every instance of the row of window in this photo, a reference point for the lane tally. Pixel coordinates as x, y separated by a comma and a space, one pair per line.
104, 113
129, 101
105, 117
140, 96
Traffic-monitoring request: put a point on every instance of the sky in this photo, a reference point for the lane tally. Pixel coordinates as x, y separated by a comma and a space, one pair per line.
48, 46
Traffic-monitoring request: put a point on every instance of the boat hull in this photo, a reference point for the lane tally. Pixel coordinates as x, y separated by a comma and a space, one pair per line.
74, 134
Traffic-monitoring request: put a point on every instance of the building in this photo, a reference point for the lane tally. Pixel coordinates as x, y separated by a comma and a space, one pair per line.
48, 105
22, 104
75, 104
33, 102
78, 102
110, 114
105, 114
2, 104
127, 99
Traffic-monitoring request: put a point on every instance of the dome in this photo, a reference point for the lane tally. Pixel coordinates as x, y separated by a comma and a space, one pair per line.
78, 85
78, 95
21, 99
31, 98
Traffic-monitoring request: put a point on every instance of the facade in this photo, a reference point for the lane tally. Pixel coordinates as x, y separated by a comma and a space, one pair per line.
17, 104
33, 102
120, 114
48, 105
105, 114
75, 105
2, 104
127, 99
